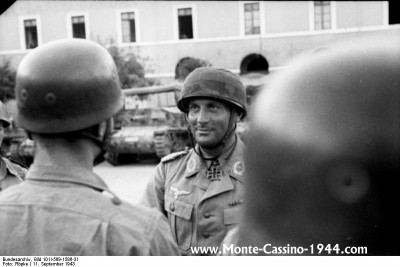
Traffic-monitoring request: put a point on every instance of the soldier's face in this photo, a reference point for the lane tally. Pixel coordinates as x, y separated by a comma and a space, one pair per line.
209, 121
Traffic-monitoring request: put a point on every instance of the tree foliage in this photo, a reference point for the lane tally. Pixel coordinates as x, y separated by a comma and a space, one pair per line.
131, 72
186, 65
7, 81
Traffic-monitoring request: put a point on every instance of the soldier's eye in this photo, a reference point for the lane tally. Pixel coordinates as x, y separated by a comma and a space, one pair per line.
213, 107
193, 108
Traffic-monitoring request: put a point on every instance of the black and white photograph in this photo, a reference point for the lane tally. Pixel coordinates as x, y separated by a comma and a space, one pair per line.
199, 128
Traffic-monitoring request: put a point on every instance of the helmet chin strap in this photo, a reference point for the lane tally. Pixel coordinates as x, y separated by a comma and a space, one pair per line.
100, 134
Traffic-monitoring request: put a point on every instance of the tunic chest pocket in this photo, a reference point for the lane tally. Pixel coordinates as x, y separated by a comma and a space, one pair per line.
179, 215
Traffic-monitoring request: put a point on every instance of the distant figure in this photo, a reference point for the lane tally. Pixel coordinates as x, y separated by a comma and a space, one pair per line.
323, 156
67, 92
200, 190
11, 173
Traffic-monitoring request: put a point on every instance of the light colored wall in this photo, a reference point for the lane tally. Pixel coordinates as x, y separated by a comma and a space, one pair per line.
283, 17
286, 29
218, 19
156, 21
359, 14
228, 54
9, 31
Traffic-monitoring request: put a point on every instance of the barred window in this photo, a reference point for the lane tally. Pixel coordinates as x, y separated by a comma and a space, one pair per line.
252, 18
322, 15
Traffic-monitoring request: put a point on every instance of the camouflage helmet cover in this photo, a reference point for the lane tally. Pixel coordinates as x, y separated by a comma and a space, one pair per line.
65, 86
214, 83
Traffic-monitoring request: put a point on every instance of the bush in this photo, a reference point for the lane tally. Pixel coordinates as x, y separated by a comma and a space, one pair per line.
131, 72
186, 65
7, 81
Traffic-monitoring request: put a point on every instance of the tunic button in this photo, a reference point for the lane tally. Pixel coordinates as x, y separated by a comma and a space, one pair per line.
206, 235
207, 215
172, 207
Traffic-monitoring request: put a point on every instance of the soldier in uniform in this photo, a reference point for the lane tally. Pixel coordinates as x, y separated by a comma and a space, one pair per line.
67, 92
200, 191
11, 173
323, 155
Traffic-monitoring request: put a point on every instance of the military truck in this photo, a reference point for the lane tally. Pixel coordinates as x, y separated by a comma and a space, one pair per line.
149, 126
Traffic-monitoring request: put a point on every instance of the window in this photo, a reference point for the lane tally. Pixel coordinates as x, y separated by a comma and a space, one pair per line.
322, 15
128, 27
31, 35
78, 27
185, 23
252, 18
394, 13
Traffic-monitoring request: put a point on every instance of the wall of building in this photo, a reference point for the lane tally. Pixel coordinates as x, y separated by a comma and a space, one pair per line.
284, 17
9, 30
218, 19
219, 38
352, 14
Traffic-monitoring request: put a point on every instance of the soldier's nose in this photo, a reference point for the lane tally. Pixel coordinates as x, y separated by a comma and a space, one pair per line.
203, 116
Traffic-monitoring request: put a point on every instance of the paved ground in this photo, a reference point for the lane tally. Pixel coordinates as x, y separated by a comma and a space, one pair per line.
127, 181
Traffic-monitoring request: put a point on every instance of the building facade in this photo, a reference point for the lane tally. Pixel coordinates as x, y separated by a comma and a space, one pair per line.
242, 36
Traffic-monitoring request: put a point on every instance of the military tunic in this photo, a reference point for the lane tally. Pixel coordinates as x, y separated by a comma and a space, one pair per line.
200, 212
71, 212
10, 173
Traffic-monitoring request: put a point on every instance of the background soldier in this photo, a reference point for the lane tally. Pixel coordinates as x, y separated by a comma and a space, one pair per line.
10, 172
201, 190
67, 92
323, 154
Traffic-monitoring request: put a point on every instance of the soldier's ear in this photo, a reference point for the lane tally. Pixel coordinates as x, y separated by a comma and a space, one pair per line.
348, 183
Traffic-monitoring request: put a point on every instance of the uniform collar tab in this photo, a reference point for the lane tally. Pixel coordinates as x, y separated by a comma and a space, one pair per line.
236, 164
193, 164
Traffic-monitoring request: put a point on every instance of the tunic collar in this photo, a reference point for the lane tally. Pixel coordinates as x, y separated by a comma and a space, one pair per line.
74, 175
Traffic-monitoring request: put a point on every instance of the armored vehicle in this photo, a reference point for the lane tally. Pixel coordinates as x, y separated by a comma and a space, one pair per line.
149, 125
16, 144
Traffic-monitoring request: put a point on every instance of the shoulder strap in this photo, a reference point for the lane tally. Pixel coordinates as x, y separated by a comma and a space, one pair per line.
174, 156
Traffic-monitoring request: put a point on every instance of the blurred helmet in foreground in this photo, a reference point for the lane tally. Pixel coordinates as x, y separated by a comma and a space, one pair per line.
323, 153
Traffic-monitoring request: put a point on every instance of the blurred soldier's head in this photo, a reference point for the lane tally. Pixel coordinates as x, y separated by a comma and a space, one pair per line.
214, 101
68, 88
4, 121
323, 153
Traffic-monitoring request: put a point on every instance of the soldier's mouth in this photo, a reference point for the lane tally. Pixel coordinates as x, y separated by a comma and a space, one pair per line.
203, 130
